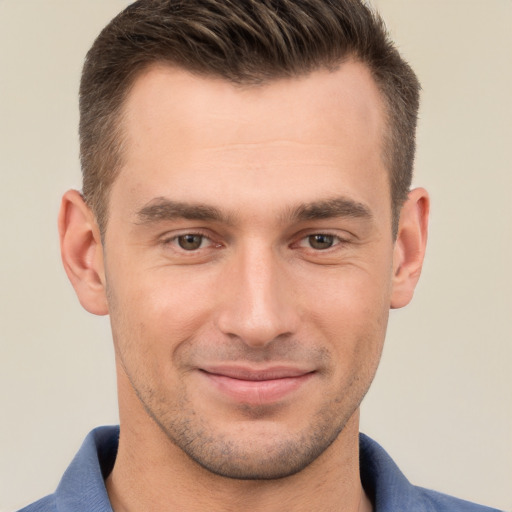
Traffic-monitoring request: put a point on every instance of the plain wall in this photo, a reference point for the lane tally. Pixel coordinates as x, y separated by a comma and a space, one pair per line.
442, 401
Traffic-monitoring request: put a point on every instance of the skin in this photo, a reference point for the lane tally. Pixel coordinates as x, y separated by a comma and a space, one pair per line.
287, 261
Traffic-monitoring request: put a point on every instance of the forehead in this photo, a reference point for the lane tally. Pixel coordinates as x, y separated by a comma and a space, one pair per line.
312, 102
186, 135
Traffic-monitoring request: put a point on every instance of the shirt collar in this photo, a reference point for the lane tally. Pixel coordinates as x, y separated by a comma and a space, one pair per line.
384, 483
82, 487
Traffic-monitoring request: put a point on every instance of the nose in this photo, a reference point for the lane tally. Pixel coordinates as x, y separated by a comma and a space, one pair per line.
257, 298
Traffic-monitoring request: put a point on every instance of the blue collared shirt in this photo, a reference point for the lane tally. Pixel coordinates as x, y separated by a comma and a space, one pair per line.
82, 488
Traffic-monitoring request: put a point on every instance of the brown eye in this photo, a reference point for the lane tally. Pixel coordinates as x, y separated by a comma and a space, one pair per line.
190, 242
321, 242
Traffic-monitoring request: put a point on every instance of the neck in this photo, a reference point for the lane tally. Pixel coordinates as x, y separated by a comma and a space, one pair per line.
151, 473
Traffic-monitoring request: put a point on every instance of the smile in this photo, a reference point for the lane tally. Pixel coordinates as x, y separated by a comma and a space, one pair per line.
256, 387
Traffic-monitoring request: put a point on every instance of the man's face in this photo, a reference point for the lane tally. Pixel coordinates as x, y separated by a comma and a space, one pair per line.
248, 260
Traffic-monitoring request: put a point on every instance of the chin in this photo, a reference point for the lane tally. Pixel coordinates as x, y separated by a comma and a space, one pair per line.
255, 449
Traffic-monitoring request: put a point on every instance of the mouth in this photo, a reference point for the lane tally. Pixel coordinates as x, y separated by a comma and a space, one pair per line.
256, 386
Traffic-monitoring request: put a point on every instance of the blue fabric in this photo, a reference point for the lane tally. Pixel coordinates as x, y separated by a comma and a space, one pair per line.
82, 488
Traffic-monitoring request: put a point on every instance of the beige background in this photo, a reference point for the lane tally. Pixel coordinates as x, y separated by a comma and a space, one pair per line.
442, 401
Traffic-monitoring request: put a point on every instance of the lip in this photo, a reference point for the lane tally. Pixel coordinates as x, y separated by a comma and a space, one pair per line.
256, 386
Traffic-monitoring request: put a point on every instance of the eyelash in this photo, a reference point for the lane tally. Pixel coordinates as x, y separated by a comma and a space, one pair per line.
336, 241
174, 240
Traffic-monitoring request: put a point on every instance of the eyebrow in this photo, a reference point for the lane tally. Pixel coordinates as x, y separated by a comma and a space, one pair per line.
162, 209
330, 208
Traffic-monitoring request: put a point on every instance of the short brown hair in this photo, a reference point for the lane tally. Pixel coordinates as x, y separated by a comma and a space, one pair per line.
245, 42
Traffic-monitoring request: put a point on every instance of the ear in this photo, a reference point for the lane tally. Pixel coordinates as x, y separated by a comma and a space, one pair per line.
410, 247
82, 252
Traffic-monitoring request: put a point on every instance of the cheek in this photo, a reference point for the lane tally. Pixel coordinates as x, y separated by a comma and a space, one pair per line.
350, 309
344, 295
160, 308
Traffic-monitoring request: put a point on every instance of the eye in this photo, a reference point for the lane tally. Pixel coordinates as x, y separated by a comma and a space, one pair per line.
321, 241
190, 241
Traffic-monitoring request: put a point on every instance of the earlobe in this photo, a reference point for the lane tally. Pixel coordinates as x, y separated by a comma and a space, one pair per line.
410, 247
82, 252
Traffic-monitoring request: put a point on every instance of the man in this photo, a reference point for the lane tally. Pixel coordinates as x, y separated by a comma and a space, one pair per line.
246, 221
